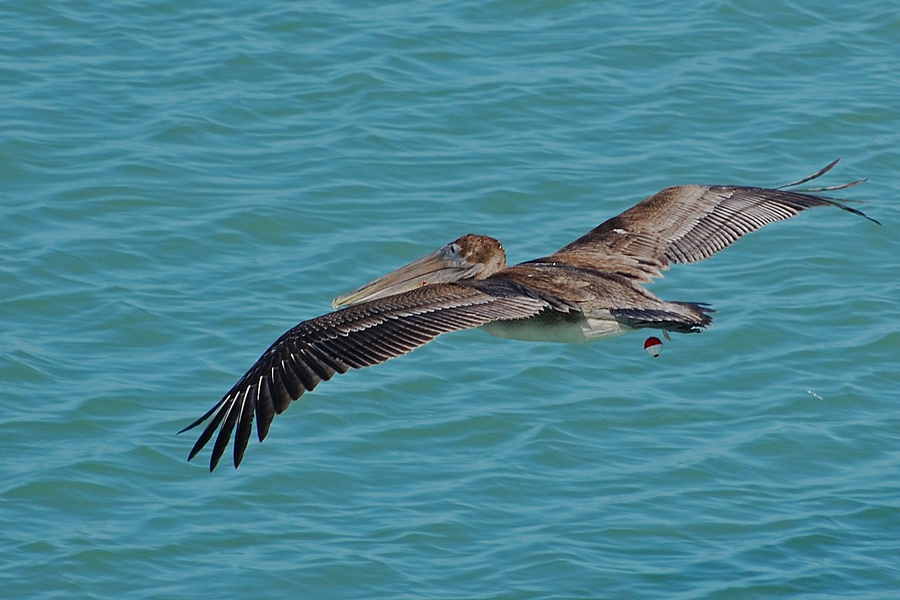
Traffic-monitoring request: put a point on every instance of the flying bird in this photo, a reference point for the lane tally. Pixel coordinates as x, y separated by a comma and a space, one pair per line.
588, 290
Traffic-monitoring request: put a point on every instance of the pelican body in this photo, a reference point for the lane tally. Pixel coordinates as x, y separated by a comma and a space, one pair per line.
588, 290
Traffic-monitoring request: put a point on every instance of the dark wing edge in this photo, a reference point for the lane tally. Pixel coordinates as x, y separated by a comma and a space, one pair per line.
355, 337
689, 223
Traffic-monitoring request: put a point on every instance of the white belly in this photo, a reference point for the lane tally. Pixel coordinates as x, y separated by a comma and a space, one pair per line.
554, 327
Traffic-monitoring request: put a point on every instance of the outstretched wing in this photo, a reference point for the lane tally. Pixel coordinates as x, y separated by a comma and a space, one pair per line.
686, 224
359, 336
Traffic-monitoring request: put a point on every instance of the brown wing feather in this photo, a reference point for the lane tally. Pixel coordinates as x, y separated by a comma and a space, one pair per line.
359, 336
683, 224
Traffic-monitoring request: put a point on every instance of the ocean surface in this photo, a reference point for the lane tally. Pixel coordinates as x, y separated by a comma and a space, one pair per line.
181, 182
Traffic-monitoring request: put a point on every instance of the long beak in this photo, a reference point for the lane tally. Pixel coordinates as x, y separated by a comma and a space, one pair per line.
441, 266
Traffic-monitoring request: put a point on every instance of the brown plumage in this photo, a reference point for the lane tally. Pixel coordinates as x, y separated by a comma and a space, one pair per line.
589, 289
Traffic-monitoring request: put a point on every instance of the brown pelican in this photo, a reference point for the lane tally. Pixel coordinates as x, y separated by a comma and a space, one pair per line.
588, 290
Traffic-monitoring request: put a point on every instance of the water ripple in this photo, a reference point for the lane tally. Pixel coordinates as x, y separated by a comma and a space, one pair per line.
184, 182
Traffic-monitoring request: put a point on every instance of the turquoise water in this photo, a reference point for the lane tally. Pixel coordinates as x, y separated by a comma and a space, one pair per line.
182, 182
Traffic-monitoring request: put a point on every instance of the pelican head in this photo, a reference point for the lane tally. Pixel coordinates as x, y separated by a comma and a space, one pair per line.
469, 257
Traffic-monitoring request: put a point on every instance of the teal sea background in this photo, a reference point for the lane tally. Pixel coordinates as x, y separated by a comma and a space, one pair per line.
181, 182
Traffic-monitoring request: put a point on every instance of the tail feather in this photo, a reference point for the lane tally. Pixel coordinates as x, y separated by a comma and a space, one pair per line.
680, 317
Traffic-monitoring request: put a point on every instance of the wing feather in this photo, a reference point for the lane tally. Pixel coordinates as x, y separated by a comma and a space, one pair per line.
358, 336
684, 224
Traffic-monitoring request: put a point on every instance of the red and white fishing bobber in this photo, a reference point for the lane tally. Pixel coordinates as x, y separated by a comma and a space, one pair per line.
653, 346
